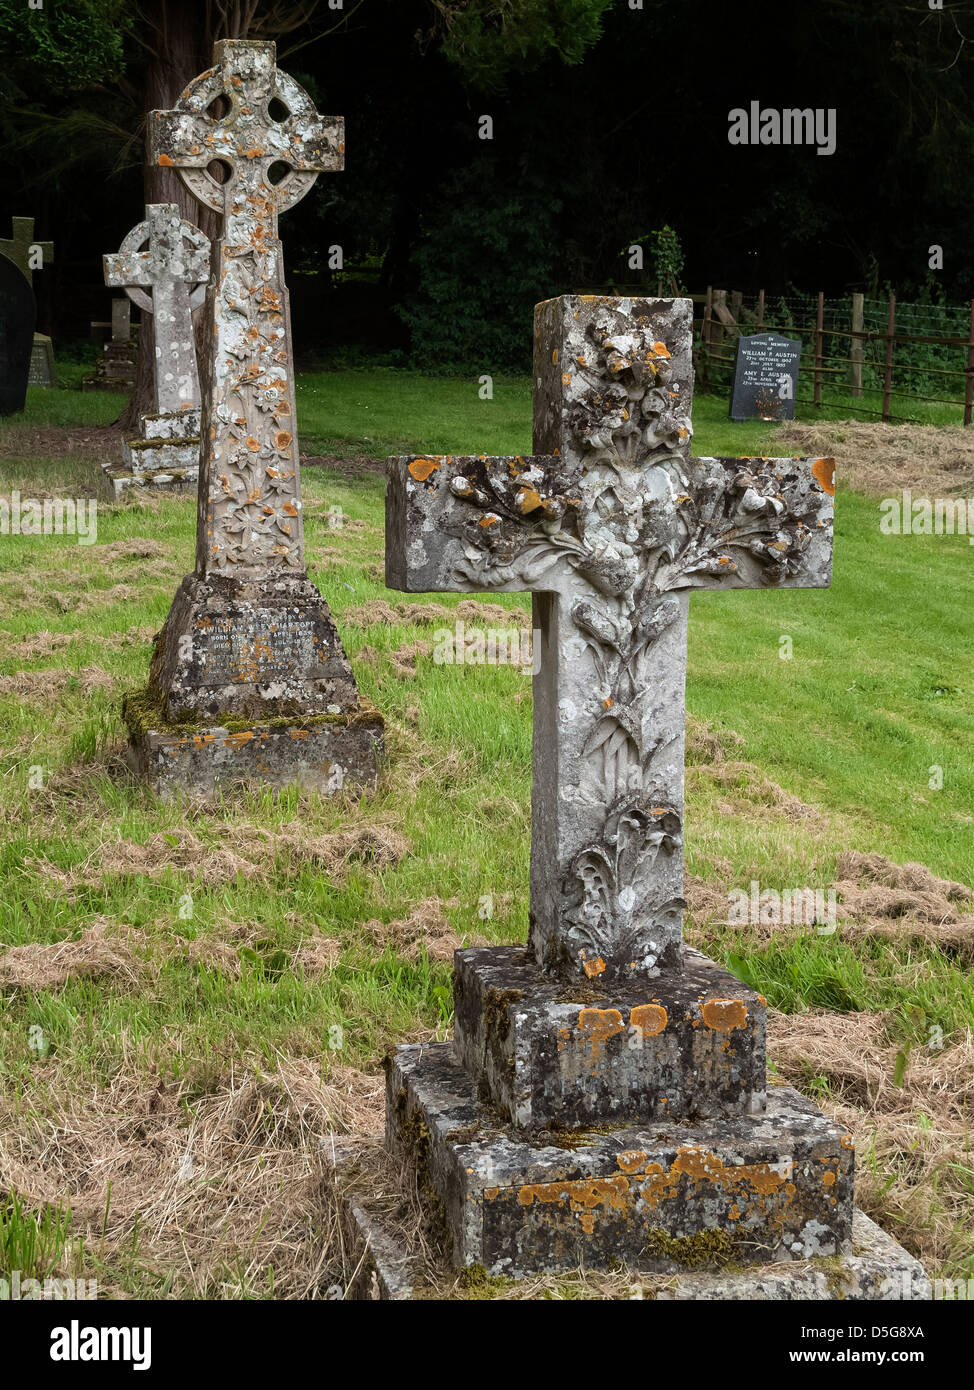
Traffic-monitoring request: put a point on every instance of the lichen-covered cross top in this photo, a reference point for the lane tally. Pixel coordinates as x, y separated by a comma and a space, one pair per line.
250, 496
610, 525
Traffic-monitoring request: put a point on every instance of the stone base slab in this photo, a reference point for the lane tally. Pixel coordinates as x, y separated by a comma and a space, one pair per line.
687, 1045
877, 1270
658, 1197
119, 478
325, 754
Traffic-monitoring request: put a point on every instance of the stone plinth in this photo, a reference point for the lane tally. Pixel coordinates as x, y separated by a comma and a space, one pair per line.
166, 455
658, 1196
688, 1045
324, 753
252, 651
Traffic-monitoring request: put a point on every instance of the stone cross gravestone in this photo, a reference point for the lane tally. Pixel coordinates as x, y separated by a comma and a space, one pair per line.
29, 255
249, 640
17, 313
604, 1096
765, 377
163, 265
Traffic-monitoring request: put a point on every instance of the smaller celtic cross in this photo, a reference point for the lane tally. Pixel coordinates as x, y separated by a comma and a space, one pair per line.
163, 264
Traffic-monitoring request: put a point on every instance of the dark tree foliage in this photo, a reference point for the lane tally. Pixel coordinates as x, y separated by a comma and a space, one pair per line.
609, 123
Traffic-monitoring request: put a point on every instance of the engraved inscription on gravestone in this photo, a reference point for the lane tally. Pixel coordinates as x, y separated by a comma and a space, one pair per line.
268, 646
765, 377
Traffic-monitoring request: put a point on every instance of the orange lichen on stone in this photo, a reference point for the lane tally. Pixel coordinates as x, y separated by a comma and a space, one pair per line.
723, 1015
297, 733
823, 471
746, 1181
650, 1019
238, 740
593, 967
600, 1024
422, 468
528, 500
583, 1195
165, 161
631, 1160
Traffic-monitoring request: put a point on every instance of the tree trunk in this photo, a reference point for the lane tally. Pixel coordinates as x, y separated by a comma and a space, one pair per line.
185, 31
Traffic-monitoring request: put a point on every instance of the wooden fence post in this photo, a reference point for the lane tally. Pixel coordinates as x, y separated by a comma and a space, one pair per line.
855, 352
969, 383
707, 313
760, 324
888, 375
817, 391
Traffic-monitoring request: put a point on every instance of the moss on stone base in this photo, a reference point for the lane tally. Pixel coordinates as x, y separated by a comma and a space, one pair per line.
144, 713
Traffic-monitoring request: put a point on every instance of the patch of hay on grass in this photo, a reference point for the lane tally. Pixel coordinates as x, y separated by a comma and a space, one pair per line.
426, 929
883, 459
913, 1140
212, 1190
93, 955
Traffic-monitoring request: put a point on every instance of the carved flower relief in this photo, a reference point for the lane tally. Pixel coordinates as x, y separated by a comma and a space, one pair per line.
615, 926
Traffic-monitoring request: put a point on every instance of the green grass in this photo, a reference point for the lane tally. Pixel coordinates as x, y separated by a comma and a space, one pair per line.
878, 691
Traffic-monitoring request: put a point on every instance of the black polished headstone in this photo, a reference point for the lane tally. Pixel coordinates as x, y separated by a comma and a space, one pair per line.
17, 314
765, 377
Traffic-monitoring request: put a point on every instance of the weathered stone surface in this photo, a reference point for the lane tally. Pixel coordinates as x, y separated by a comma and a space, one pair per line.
323, 753
610, 525
170, 257
380, 1268
251, 650
42, 368
248, 635
751, 1188
689, 1044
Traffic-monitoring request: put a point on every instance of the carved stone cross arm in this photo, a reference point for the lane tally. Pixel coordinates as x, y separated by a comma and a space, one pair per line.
609, 525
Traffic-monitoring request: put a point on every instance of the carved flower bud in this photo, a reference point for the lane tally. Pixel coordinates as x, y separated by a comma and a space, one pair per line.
463, 487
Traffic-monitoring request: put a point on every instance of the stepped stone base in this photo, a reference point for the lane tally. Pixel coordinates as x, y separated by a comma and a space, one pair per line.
324, 753
379, 1268
166, 456
688, 1044
658, 1196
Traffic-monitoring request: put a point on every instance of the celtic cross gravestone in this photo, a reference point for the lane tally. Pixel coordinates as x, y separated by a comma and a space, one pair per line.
249, 638
163, 265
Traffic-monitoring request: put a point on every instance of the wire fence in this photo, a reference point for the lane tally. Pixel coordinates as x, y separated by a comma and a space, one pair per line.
851, 347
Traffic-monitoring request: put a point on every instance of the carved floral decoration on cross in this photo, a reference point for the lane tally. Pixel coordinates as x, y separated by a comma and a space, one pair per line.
638, 521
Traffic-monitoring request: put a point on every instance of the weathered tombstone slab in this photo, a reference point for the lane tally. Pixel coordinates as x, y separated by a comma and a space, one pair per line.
765, 377
29, 255
163, 264
42, 369
604, 1097
17, 314
116, 367
249, 679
